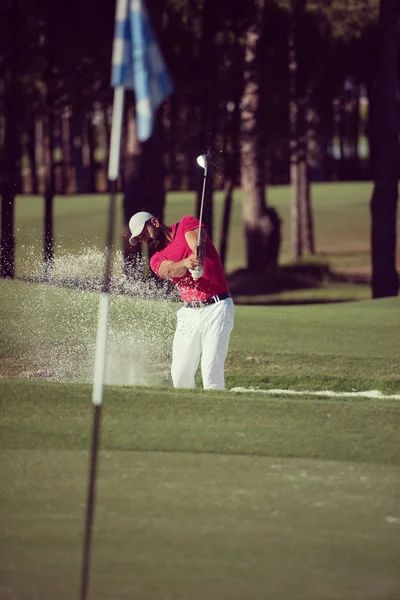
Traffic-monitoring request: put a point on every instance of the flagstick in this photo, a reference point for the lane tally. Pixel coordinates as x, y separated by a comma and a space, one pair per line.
100, 359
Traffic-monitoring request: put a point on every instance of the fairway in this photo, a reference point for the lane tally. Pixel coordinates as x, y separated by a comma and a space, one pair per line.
199, 495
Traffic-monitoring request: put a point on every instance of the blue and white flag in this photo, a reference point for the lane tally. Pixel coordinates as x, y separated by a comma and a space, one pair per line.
137, 63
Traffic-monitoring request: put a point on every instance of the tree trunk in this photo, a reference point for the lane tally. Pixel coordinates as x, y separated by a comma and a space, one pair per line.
262, 225
68, 173
295, 212
208, 108
356, 169
10, 158
87, 159
102, 149
144, 191
7, 230
307, 229
310, 143
385, 158
342, 140
76, 150
39, 152
31, 145
48, 241
228, 188
230, 151
91, 164
302, 241
130, 168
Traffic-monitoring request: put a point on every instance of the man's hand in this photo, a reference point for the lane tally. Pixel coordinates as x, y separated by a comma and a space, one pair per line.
194, 265
197, 273
191, 262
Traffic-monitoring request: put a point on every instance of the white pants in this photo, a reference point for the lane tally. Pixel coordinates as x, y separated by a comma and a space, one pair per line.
202, 332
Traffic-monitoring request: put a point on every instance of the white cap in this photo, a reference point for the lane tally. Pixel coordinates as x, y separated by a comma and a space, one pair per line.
136, 225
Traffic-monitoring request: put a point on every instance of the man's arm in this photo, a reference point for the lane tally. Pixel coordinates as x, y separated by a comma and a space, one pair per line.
192, 241
169, 269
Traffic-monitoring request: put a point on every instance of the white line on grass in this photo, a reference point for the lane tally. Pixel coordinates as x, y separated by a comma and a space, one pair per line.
367, 394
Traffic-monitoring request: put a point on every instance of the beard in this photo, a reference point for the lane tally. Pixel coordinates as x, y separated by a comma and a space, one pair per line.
158, 240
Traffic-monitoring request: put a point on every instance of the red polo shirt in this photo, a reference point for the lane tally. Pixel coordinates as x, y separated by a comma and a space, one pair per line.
212, 282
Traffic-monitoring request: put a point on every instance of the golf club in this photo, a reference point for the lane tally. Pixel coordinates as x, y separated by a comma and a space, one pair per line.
202, 162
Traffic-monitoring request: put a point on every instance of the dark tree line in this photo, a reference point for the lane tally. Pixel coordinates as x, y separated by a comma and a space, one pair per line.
271, 88
386, 157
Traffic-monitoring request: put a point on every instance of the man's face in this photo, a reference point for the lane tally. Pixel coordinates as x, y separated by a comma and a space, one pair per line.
153, 236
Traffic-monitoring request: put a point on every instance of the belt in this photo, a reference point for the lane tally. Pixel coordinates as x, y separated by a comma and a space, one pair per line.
207, 302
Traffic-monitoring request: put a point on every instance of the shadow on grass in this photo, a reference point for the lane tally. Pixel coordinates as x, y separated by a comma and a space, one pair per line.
255, 287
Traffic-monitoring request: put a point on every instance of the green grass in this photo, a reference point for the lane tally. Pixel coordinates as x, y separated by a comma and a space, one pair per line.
336, 346
55, 416
199, 495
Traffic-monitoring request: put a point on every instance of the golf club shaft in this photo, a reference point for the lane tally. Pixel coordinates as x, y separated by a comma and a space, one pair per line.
201, 207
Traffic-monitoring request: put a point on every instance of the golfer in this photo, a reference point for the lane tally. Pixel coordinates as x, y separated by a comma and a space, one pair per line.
205, 321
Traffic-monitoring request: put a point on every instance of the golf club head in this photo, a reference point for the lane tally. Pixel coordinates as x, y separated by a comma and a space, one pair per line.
202, 161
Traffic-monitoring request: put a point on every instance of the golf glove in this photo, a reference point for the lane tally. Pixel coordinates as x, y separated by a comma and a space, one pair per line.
197, 273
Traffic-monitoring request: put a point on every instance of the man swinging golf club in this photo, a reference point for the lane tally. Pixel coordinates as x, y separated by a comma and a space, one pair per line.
185, 254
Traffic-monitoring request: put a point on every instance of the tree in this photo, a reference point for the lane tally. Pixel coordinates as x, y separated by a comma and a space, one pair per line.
144, 190
321, 40
385, 157
262, 224
209, 104
13, 24
48, 241
301, 214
